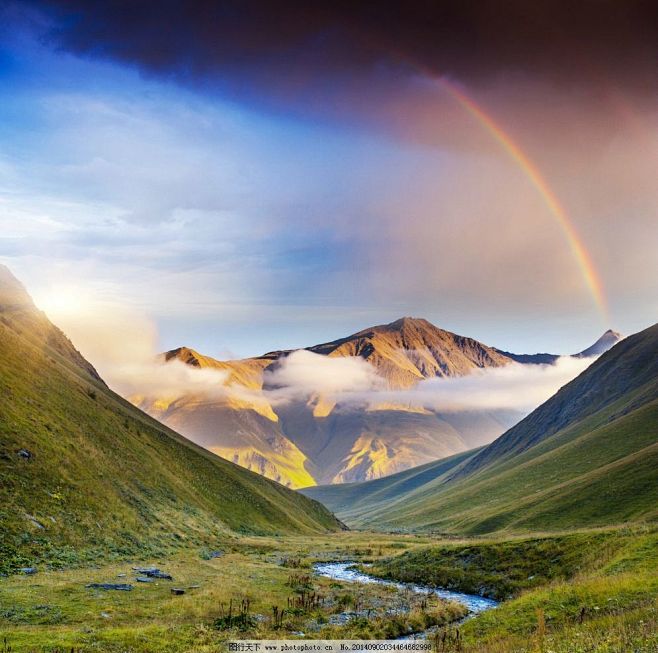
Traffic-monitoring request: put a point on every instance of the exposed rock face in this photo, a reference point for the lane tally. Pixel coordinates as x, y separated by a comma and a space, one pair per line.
411, 349
588, 456
247, 433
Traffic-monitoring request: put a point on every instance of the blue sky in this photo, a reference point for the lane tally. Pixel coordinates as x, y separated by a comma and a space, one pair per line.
238, 227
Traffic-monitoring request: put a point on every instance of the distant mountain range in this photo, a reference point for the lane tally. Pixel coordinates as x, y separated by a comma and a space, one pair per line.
586, 457
82, 468
316, 439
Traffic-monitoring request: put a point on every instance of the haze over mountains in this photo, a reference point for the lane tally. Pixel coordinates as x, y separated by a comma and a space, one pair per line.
586, 457
347, 410
81, 467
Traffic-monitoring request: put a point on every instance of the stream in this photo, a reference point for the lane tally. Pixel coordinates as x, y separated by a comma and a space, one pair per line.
343, 571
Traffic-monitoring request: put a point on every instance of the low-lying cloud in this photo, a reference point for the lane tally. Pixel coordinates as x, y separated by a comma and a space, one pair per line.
303, 371
352, 382
513, 387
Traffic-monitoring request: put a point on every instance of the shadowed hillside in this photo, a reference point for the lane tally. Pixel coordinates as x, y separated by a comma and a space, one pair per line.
586, 457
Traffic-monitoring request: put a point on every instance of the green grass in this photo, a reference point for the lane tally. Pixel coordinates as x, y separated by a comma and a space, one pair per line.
593, 591
106, 487
54, 611
501, 569
586, 476
598, 469
569, 593
353, 501
104, 479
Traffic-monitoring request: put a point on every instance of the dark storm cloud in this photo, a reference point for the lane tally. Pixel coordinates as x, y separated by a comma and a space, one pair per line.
291, 46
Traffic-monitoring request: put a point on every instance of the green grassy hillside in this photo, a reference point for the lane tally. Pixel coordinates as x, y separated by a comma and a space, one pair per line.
628, 370
587, 457
83, 471
353, 500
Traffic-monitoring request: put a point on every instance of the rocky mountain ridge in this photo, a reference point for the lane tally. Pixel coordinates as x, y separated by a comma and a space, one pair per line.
314, 438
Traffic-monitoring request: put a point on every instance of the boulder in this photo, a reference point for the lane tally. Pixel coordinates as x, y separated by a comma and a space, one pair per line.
123, 587
153, 572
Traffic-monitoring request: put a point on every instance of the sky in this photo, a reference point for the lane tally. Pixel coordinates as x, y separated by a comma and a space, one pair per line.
240, 177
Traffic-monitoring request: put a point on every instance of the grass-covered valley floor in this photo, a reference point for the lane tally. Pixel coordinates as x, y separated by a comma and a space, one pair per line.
53, 610
576, 592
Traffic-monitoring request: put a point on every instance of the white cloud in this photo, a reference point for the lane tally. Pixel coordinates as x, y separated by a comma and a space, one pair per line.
192, 204
513, 387
351, 381
303, 372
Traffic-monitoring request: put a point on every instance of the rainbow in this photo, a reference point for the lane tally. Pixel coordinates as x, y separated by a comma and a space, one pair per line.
536, 178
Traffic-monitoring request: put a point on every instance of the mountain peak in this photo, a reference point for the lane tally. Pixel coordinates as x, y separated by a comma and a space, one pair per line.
609, 339
617, 372
411, 348
408, 320
184, 354
408, 323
